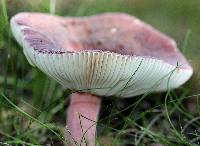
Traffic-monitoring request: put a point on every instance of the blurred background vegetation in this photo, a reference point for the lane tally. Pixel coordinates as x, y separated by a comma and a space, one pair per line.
33, 107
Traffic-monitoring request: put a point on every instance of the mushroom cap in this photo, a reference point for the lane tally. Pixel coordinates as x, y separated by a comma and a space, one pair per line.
108, 54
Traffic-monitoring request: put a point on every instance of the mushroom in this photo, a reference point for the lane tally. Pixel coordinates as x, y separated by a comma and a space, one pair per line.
111, 54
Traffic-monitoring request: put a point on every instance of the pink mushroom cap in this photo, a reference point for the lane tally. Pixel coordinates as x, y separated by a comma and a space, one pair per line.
111, 54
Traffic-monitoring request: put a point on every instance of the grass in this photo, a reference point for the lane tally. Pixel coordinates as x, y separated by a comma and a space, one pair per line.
33, 107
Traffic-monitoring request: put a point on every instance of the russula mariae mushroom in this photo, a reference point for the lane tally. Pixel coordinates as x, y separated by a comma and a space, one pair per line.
111, 54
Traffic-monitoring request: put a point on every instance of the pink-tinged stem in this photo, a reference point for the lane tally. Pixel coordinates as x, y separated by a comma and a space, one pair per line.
82, 115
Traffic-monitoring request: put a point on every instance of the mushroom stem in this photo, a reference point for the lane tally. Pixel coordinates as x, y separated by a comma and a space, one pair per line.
82, 116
